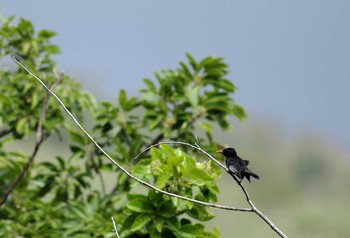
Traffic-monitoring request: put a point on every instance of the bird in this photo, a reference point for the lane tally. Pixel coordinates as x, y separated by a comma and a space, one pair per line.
237, 166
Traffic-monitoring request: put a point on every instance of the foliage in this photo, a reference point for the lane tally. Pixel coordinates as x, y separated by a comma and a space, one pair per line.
55, 197
157, 214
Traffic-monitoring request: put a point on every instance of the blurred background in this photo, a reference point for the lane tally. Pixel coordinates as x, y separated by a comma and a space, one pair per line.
290, 61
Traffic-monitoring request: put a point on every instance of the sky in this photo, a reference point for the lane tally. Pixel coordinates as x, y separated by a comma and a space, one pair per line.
290, 59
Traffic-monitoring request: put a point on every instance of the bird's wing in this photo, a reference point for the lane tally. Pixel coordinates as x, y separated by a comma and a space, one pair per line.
246, 162
233, 169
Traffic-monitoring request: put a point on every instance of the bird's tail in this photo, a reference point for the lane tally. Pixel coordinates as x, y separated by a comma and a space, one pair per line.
247, 173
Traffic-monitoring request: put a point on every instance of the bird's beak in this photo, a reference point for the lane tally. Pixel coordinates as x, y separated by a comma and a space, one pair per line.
219, 151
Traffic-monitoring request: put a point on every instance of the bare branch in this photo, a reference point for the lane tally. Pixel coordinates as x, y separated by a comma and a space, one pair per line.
4, 132
115, 228
252, 209
258, 212
40, 137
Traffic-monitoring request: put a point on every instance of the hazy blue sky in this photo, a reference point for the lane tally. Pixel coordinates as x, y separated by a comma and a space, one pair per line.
290, 59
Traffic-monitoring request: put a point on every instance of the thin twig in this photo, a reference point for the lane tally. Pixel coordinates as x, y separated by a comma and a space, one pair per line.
259, 213
115, 228
252, 206
39, 139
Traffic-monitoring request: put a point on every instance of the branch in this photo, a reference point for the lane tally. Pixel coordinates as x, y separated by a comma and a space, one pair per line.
115, 228
258, 212
252, 206
39, 139
157, 138
4, 132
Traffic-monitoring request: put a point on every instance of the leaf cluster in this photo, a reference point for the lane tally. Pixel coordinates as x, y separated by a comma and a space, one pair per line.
156, 214
177, 106
20, 97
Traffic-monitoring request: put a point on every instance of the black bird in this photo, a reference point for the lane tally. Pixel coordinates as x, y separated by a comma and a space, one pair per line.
236, 165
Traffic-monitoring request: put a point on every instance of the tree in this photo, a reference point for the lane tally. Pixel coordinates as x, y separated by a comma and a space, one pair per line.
54, 197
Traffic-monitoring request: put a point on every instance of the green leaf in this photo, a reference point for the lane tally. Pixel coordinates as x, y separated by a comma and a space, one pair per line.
199, 177
166, 209
131, 104
192, 61
25, 28
45, 34
156, 122
219, 100
50, 166
162, 180
153, 233
192, 95
188, 162
222, 122
53, 49
141, 205
20, 126
216, 231
239, 112
217, 63
158, 223
140, 221
186, 70
213, 188
140, 169
61, 162
76, 149
190, 230
208, 127
35, 99
122, 98
129, 221
156, 153
216, 72
77, 137
205, 62
225, 84
131, 196
167, 149
150, 85
200, 213
47, 187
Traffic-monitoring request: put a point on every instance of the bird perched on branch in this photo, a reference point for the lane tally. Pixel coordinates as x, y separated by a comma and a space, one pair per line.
236, 165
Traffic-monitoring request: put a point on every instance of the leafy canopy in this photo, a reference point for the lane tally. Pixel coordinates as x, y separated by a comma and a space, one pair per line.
56, 197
